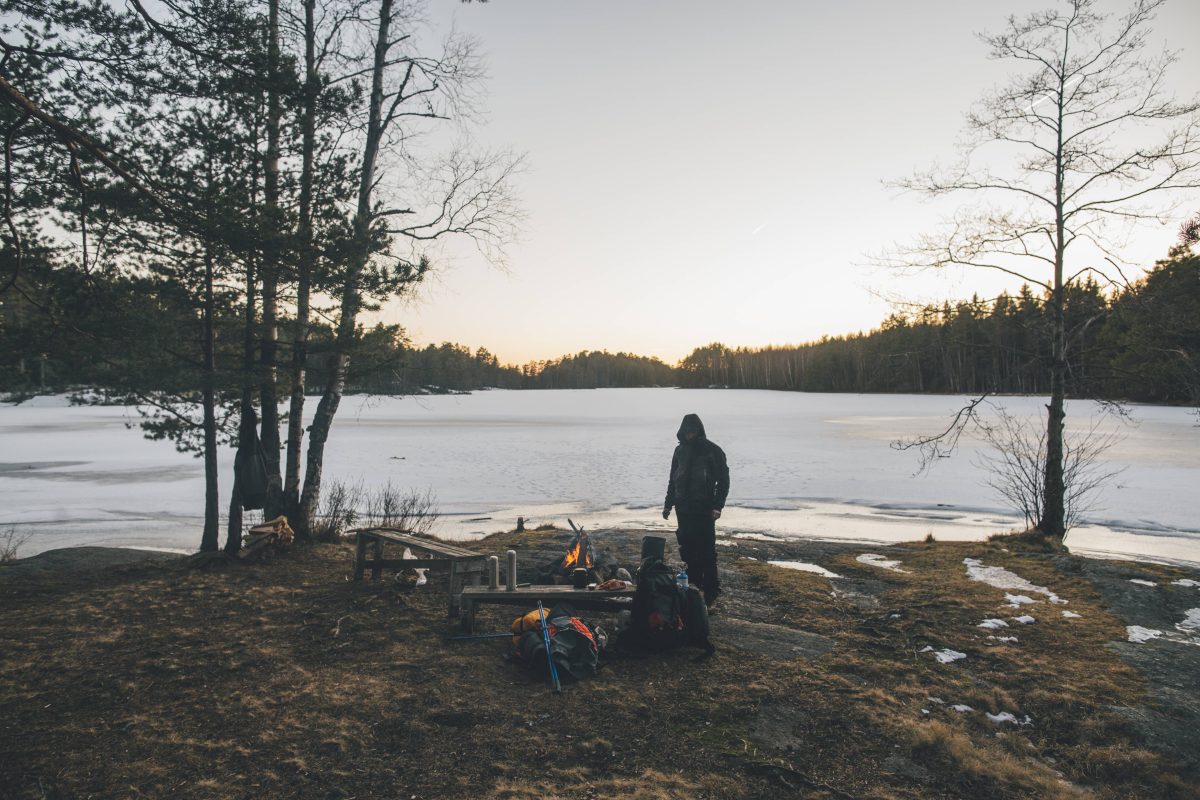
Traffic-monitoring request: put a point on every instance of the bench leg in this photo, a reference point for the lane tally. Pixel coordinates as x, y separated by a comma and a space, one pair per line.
360, 555
377, 552
455, 590
468, 619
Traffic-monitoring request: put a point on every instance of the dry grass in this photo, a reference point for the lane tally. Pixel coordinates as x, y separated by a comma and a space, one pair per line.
287, 680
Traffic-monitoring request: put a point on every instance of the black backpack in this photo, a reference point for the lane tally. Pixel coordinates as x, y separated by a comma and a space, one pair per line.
656, 621
574, 645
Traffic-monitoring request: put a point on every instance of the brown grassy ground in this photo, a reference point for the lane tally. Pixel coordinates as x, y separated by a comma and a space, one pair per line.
284, 679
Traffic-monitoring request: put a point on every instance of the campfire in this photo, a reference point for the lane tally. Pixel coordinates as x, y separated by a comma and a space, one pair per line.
580, 554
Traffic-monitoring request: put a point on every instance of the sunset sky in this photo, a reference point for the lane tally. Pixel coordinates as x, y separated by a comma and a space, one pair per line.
713, 171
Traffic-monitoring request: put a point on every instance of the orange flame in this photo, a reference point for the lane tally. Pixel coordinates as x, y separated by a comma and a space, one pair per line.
577, 556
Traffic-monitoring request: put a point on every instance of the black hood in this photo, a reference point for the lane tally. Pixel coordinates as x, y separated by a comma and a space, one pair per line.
691, 423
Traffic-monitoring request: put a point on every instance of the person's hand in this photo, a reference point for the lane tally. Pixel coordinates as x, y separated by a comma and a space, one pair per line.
666, 513
716, 513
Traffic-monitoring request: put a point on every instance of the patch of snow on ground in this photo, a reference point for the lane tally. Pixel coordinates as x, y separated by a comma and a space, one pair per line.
1003, 579
1141, 582
1006, 639
1018, 600
992, 623
1186, 582
947, 655
805, 567
1025, 619
1005, 716
962, 709
1071, 615
1191, 623
875, 560
1138, 634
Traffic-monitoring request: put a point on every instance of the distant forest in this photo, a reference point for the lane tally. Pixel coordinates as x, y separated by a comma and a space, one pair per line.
1141, 343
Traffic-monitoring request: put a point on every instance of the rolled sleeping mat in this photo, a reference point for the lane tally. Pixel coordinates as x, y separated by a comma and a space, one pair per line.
654, 547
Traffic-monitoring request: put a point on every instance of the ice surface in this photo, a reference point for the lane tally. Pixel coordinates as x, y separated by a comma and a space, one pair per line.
1141, 582
1191, 621
1004, 579
1185, 582
993, 624
805, 567
814, 465
875, 560
1137, 633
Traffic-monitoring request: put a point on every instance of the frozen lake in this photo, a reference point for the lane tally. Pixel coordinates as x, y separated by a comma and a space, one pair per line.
802, 465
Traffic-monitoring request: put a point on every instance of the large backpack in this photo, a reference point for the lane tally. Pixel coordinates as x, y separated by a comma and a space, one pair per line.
656, 621
574, 645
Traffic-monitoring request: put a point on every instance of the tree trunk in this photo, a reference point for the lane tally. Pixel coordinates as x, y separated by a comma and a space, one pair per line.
295, 439
208, 542
1053, 521
270, 271
332, 397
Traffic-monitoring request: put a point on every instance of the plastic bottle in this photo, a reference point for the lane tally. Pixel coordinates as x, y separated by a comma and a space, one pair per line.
682, 580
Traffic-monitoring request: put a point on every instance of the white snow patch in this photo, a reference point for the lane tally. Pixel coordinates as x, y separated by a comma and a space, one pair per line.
1191, 622
1025, 619
1186, 582
1006, 639
1005, 716
992, 623
1018, 600
1003, 579
1141, 582
947, 655
925, 649
962, 709
805, 567
1138, 634
1071, 615
937, 700
875, 560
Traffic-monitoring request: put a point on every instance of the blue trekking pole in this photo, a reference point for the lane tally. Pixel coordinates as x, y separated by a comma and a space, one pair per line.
549, 655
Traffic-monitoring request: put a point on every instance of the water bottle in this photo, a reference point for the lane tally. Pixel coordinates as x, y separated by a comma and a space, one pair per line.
682, 580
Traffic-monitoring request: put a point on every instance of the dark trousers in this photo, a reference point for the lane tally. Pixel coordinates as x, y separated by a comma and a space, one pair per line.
697, 537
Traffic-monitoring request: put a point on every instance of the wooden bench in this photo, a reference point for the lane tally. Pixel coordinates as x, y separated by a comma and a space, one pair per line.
464, 565
528, 596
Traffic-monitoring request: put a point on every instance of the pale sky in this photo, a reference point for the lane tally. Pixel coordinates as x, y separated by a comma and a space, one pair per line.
706, 171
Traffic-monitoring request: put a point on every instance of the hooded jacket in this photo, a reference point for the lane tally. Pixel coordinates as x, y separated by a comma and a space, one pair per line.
699, 481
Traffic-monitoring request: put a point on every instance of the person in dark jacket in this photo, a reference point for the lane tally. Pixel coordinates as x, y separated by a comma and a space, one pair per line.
697, 489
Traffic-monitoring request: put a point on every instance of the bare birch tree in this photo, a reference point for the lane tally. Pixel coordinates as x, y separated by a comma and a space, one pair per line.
1056, 163
462, 195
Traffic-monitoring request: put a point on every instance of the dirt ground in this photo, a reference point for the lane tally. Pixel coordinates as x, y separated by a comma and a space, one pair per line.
283, 679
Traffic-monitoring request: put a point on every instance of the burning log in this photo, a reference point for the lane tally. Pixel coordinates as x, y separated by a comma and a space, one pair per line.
580, 554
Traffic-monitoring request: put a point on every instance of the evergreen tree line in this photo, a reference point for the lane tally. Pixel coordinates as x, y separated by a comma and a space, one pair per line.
1141, 343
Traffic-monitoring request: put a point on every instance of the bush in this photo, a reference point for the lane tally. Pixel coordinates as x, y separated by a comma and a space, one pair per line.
347, 505
10, 542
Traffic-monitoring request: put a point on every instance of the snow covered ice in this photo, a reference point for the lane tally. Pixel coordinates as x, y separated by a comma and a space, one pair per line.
802, 464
